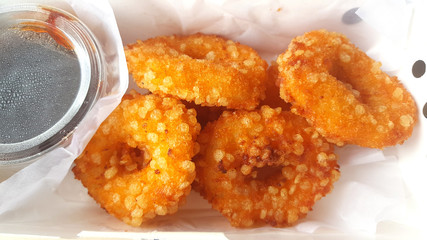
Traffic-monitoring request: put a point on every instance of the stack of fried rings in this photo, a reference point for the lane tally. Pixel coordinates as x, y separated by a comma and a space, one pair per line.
255, 164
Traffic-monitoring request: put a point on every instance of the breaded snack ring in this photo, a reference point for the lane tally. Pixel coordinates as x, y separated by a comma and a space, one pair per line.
344, 93
264, 166
206, 69
138, 164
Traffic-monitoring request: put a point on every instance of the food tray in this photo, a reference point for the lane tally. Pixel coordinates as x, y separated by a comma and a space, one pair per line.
380, 193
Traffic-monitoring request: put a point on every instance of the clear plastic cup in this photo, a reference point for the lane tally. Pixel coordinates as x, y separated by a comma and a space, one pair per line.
51, 73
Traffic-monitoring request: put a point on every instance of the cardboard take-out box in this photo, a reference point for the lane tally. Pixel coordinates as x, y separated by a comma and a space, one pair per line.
381, 193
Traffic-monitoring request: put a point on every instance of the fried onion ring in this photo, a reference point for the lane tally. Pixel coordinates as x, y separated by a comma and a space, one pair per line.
138, 164
263, 166
206, 69
344, 93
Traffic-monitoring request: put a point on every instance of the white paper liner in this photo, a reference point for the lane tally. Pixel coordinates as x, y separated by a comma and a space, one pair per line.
376, 187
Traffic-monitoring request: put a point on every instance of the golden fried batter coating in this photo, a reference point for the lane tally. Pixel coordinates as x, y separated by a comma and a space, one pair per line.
138, 164
344, 93
206, 69
263, 166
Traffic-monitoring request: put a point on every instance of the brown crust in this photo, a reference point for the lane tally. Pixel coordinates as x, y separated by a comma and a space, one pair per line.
264, 166
133, 167
343, 92
206, 69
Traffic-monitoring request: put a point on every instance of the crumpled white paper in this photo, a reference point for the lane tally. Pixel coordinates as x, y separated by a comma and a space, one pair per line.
380, 192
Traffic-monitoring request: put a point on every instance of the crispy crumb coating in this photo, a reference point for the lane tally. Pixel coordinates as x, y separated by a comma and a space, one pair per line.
264, 166
138, 164
344, 93
206, 69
